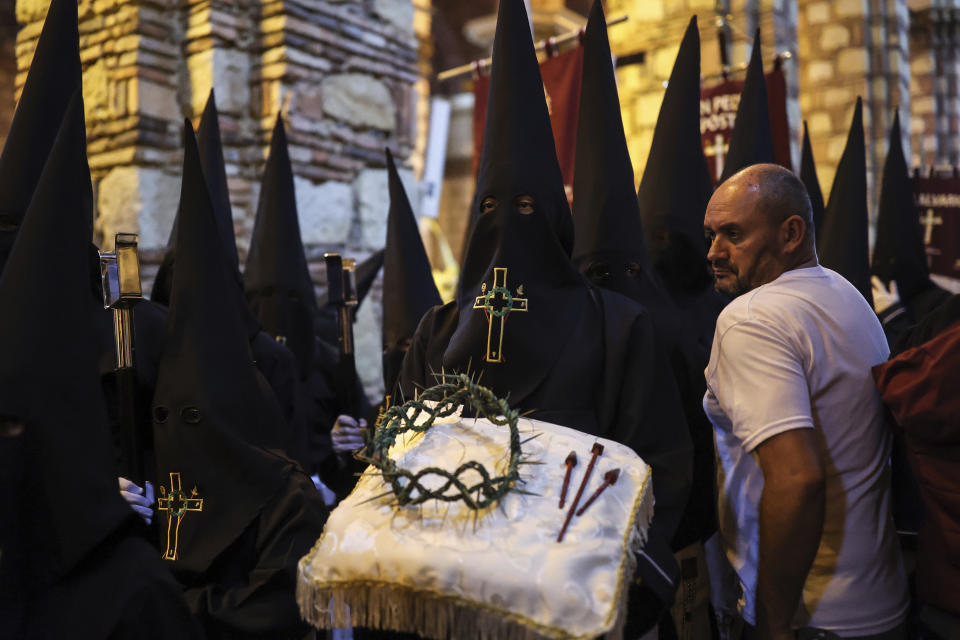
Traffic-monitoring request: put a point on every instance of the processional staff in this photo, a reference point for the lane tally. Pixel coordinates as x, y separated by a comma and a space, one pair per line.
120, 275
342, 293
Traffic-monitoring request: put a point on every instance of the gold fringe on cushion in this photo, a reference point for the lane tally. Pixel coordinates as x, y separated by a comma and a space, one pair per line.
394, 607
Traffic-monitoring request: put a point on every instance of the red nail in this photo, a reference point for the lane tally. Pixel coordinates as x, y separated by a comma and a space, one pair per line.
571, 462
595, 451
609, 478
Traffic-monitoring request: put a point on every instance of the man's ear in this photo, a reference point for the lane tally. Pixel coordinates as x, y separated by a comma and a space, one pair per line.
793, 232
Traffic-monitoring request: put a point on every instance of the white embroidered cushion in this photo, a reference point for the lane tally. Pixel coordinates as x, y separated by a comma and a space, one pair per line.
443, 570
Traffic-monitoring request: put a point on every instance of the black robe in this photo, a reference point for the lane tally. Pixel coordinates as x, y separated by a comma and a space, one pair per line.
260, 602
121, 590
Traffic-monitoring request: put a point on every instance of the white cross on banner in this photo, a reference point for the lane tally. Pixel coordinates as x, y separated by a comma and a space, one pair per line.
938, 207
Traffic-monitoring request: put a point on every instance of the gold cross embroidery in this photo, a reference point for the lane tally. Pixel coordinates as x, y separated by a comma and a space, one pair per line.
497, 305
176, 504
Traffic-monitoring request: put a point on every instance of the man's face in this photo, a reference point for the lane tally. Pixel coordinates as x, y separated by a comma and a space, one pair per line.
744, 248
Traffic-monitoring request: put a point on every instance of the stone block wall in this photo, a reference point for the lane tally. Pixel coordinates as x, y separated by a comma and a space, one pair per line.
656, 28
934, 71
346, 74
850, 48
839, 49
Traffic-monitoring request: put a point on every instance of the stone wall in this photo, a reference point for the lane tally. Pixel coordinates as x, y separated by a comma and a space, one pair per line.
345, 74
656, 28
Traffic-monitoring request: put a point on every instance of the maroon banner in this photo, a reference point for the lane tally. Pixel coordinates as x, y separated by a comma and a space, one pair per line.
561, 82
938, 205
718, 111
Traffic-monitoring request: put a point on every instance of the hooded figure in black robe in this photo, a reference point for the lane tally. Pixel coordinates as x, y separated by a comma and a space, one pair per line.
808, 175
610, 250
280, 293
673, 195
339, 472
530, 325
275, 361
842, 245
53, 77
751, 141
899, 254
73, 558
408, 287
235, 514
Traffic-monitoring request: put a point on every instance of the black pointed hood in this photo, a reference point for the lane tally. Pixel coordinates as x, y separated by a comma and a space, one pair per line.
605, 210
843, 243
676, 184
53, 77
408, 287
49, 377
366, 275
808, 175
751, 141
899, 253
215, 174
214, 417
215, 171
518, 250
276, 279
609, 247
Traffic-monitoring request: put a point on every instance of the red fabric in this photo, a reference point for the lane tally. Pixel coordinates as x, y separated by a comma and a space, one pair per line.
562, 76
921, 387
718, 111
938, 205
779, 126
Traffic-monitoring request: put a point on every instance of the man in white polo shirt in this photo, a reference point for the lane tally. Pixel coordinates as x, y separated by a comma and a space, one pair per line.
801, 439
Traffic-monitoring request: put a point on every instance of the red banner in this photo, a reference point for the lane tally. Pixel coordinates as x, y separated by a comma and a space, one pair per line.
561, 82
938, 205
718, 111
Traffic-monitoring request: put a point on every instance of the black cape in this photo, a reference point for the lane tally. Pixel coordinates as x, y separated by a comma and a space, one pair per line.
573, 355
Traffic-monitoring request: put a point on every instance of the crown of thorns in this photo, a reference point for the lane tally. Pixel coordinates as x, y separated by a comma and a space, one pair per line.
441, 401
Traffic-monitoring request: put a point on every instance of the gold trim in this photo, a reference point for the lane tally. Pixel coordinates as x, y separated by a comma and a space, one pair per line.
324, 604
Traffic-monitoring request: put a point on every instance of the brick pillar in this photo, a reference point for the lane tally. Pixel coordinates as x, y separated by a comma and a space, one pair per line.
344, 74
132, 111
935, 109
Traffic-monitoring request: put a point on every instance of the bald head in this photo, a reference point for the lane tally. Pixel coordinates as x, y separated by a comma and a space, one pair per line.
759, 223
777, 193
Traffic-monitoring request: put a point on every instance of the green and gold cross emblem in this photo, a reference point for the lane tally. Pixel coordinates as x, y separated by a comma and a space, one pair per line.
176, 503
497, 304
